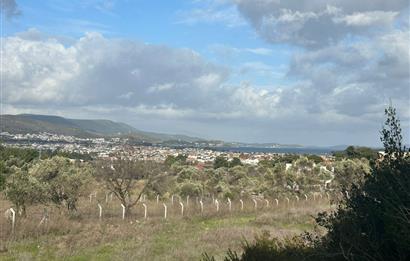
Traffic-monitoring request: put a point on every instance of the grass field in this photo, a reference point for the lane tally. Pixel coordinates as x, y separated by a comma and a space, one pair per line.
86, 237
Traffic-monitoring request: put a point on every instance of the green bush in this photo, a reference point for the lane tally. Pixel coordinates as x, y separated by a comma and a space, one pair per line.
372, 223
271, 249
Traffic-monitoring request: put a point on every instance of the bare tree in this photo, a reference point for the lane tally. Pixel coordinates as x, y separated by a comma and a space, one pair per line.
129, 179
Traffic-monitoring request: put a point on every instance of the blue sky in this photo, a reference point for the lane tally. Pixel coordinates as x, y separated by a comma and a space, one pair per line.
238, 70
172, 23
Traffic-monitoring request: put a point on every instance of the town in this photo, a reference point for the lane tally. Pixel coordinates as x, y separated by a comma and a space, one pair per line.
107, 147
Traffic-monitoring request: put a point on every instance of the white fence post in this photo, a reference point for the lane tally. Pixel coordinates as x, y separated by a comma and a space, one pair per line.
172, 200
182, 208
202, 206
145, 210
91, 198
100, 211
230, 204
306, 197
241, 203
277, 202
165, 211
13, 220
267, 203
157, 199
217, 205
123, 211
255, 203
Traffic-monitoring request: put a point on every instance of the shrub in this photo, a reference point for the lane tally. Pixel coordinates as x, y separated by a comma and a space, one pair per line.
374, 223
271, 249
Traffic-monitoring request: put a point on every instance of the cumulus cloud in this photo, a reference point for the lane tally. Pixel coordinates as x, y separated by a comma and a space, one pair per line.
358, 78
144, 83
95, 70
317, 23
353, 56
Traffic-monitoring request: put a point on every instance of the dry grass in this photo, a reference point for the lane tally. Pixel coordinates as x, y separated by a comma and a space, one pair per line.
85, 237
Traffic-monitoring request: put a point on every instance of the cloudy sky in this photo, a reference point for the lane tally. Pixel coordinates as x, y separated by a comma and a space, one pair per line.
310, 72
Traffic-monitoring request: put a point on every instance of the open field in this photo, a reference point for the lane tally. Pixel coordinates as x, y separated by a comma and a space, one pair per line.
86, 237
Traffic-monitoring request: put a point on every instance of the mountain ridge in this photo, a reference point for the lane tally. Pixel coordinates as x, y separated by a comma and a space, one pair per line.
85, 128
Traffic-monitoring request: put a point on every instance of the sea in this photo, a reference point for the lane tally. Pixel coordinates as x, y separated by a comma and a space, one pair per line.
286, 150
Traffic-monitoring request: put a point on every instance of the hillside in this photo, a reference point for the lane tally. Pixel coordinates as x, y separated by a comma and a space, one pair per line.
26, 123
30, 123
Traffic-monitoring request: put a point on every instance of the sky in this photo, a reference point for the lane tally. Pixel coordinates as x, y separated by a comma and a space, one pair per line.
293, 72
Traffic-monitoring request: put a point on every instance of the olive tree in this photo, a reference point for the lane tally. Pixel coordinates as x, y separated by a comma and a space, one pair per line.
23, 190
129, 179
65, 180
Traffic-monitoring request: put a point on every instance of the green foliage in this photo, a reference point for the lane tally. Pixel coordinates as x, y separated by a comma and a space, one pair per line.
56, 180
22, 189
220, 162
266, 163
66, 154
23, 156
128, 179
287, 158
315, 158
180, 159
374, 223
235, 162
350, 172
188, 173
353, 152
64, 180
265, 179
190, 189
270, 249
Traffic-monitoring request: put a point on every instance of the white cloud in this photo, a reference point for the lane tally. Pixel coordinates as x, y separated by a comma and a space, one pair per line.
319, 23
368, 18
259, 51
95, 76
160, 87
211, 12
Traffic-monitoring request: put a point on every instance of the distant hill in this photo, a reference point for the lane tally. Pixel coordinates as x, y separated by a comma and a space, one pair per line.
34, 123
31, 123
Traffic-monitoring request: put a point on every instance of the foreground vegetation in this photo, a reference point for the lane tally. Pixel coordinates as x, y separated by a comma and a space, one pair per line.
371, 223
86, 237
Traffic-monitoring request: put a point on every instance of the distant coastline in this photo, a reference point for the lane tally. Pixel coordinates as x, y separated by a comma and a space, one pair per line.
297, 150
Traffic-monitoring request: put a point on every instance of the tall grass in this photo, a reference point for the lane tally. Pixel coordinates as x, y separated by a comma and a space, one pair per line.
175, 238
